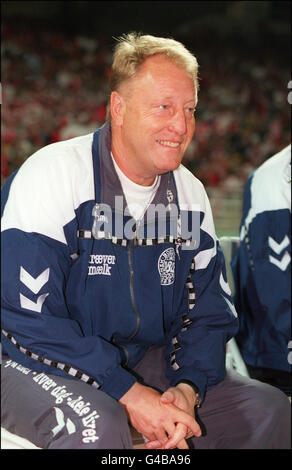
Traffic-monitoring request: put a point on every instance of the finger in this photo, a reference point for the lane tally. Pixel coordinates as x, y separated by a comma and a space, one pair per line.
161, 436
180, 416
157, 444
153, 445
189, 434
182, 444
178, 436
167, 397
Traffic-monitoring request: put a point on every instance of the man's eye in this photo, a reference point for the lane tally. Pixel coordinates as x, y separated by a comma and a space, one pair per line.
191, 110
163, 106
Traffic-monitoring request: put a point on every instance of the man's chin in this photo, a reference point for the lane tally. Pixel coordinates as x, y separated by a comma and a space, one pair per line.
168, 167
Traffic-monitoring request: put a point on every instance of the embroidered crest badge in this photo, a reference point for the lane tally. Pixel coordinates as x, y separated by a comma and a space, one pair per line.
166, 266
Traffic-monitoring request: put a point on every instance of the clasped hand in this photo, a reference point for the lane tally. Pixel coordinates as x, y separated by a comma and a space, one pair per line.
167, 419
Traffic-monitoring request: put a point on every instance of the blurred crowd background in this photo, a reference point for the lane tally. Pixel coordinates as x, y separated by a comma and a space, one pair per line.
56, 59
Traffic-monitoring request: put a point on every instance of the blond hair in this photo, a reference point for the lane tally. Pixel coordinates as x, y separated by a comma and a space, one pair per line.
133, 49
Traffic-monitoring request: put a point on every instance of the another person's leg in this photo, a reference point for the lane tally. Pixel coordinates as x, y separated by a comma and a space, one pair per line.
53, 412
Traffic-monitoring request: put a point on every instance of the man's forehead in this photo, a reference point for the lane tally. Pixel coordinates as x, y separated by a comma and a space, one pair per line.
160, 68
165, 78
159, 76
158, 64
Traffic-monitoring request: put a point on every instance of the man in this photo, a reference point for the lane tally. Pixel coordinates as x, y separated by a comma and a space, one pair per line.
115, 312
262, 270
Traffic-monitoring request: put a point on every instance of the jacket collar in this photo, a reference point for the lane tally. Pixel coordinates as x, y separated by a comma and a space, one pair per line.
107, 182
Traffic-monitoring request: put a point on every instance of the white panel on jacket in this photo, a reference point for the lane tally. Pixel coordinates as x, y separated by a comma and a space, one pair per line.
49, 186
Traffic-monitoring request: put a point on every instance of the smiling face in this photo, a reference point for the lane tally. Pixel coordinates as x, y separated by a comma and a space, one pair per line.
152, 119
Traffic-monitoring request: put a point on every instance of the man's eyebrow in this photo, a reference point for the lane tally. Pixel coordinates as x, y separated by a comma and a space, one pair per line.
159, 98
191, 100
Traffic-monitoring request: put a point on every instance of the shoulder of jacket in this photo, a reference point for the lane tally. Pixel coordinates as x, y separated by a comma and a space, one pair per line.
61, 166
274, 166
72, 152
190, 189
269, 187
49, 187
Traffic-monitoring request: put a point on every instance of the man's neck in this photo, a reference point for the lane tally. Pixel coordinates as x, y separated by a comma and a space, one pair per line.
133, 176
122, 160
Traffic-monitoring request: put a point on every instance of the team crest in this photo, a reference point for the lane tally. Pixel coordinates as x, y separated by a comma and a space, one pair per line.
166, 266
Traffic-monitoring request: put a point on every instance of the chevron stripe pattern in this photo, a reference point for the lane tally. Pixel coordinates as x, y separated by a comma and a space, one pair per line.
278, 247
70, 370
186, 320
34, 285
280, 261
139, 241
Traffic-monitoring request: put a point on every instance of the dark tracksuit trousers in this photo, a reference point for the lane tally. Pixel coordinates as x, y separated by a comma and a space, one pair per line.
57, 413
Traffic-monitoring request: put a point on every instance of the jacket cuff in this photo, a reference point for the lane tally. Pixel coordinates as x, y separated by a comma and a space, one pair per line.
197, 379
195, 388
118, 383
189, 382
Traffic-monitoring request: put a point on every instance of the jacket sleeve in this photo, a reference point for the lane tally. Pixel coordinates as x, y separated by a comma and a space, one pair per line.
262, 274
207, 318
38, 329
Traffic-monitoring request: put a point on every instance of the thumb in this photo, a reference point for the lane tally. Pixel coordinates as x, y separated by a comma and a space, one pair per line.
167, 397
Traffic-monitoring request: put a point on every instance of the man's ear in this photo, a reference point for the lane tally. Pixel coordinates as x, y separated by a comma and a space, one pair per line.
117, 107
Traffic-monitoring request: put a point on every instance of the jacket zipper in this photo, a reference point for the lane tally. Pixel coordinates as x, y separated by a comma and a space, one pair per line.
132, 287
132, 244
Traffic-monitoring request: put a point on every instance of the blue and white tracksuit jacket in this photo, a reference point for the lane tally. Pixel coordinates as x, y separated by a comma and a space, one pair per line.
262, 266
83, 302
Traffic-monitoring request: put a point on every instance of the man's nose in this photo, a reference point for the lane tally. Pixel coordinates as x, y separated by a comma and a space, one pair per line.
178, 123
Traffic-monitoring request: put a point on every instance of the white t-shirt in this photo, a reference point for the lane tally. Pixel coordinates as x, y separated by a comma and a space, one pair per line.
138, 197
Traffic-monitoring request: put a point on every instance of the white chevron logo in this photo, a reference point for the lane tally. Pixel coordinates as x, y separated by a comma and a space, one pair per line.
71, 428
283, 263
224, 285
35, 285
30, 305
278, 247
